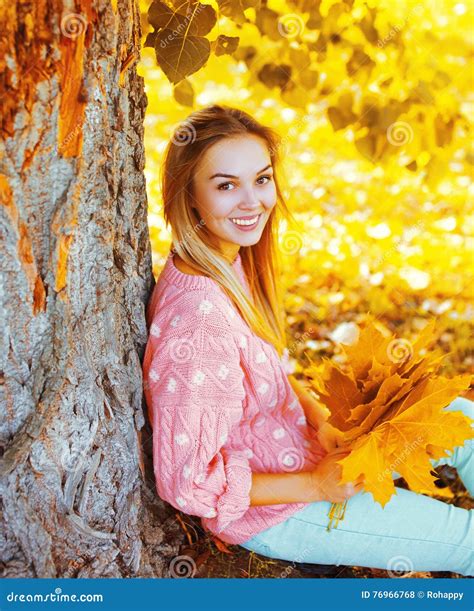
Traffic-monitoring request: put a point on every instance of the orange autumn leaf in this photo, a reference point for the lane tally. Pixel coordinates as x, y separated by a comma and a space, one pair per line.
388, 402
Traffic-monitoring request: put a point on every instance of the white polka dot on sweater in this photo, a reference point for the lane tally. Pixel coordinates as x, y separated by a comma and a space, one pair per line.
279, 433
199, 478
248, 453
262, 389
211, 513
154, 375
243, 342
223, 372
186, 471
293, 404
181, 439
199, 377
155, 330
223, 438
171, 385
180, 501
175, 321
272, 403
301, 420
205, 306
261, 357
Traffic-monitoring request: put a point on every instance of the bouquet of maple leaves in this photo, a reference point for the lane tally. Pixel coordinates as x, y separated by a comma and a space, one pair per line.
387, 401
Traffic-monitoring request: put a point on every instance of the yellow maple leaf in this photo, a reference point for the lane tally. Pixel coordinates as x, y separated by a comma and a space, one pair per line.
388, 402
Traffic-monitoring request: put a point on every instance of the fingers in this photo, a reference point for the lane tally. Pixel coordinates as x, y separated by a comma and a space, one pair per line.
352, 488
343, 492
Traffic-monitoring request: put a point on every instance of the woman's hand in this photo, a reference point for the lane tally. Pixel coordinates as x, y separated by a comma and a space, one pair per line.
325, 478
329, 437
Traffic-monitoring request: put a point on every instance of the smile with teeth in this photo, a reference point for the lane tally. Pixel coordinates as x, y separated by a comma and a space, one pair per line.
251, 221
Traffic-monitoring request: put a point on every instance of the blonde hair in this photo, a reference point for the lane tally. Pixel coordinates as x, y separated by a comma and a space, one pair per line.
197, 246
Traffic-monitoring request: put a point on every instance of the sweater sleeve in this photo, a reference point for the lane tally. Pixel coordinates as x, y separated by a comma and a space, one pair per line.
195, 384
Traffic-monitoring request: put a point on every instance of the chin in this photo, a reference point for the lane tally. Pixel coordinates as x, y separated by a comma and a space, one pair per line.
245, 240
251, 241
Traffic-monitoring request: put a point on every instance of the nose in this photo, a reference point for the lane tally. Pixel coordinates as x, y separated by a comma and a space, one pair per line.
250, 200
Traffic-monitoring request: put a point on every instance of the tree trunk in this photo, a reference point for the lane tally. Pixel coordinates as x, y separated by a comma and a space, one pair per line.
79, 498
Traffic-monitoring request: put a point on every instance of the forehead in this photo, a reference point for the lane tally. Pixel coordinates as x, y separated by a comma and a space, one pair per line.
237, 155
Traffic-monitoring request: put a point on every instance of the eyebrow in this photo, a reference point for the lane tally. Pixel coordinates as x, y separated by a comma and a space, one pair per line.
232, 176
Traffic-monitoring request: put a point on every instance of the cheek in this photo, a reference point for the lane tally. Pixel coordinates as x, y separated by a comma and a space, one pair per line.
221, 204
213, 204
269, 197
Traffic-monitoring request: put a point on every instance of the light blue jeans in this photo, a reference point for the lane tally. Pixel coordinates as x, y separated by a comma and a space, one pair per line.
413, 532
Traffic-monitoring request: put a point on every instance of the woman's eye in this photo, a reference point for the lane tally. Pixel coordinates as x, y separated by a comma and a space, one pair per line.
225, 186
265, 178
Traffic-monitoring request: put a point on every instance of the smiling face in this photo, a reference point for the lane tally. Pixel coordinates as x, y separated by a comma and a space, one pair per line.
235, 191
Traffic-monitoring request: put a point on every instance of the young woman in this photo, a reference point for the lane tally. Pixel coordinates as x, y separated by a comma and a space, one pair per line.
236, 439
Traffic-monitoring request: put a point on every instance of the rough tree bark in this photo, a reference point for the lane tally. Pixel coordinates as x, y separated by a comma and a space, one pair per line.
78, 491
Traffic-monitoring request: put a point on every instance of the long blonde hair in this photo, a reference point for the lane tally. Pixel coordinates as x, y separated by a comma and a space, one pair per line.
197, 246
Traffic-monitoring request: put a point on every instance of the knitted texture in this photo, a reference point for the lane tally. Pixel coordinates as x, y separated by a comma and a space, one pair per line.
220, 405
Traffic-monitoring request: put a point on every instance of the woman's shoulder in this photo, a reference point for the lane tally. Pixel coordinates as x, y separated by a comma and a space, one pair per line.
184, 268
182, 302
180, 311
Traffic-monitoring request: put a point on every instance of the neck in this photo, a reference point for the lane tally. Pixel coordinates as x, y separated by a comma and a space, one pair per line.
229, 251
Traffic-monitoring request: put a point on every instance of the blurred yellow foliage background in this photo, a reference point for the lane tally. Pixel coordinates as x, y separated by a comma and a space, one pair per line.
388, 232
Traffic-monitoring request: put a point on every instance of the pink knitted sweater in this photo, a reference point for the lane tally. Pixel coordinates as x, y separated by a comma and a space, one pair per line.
220, 405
